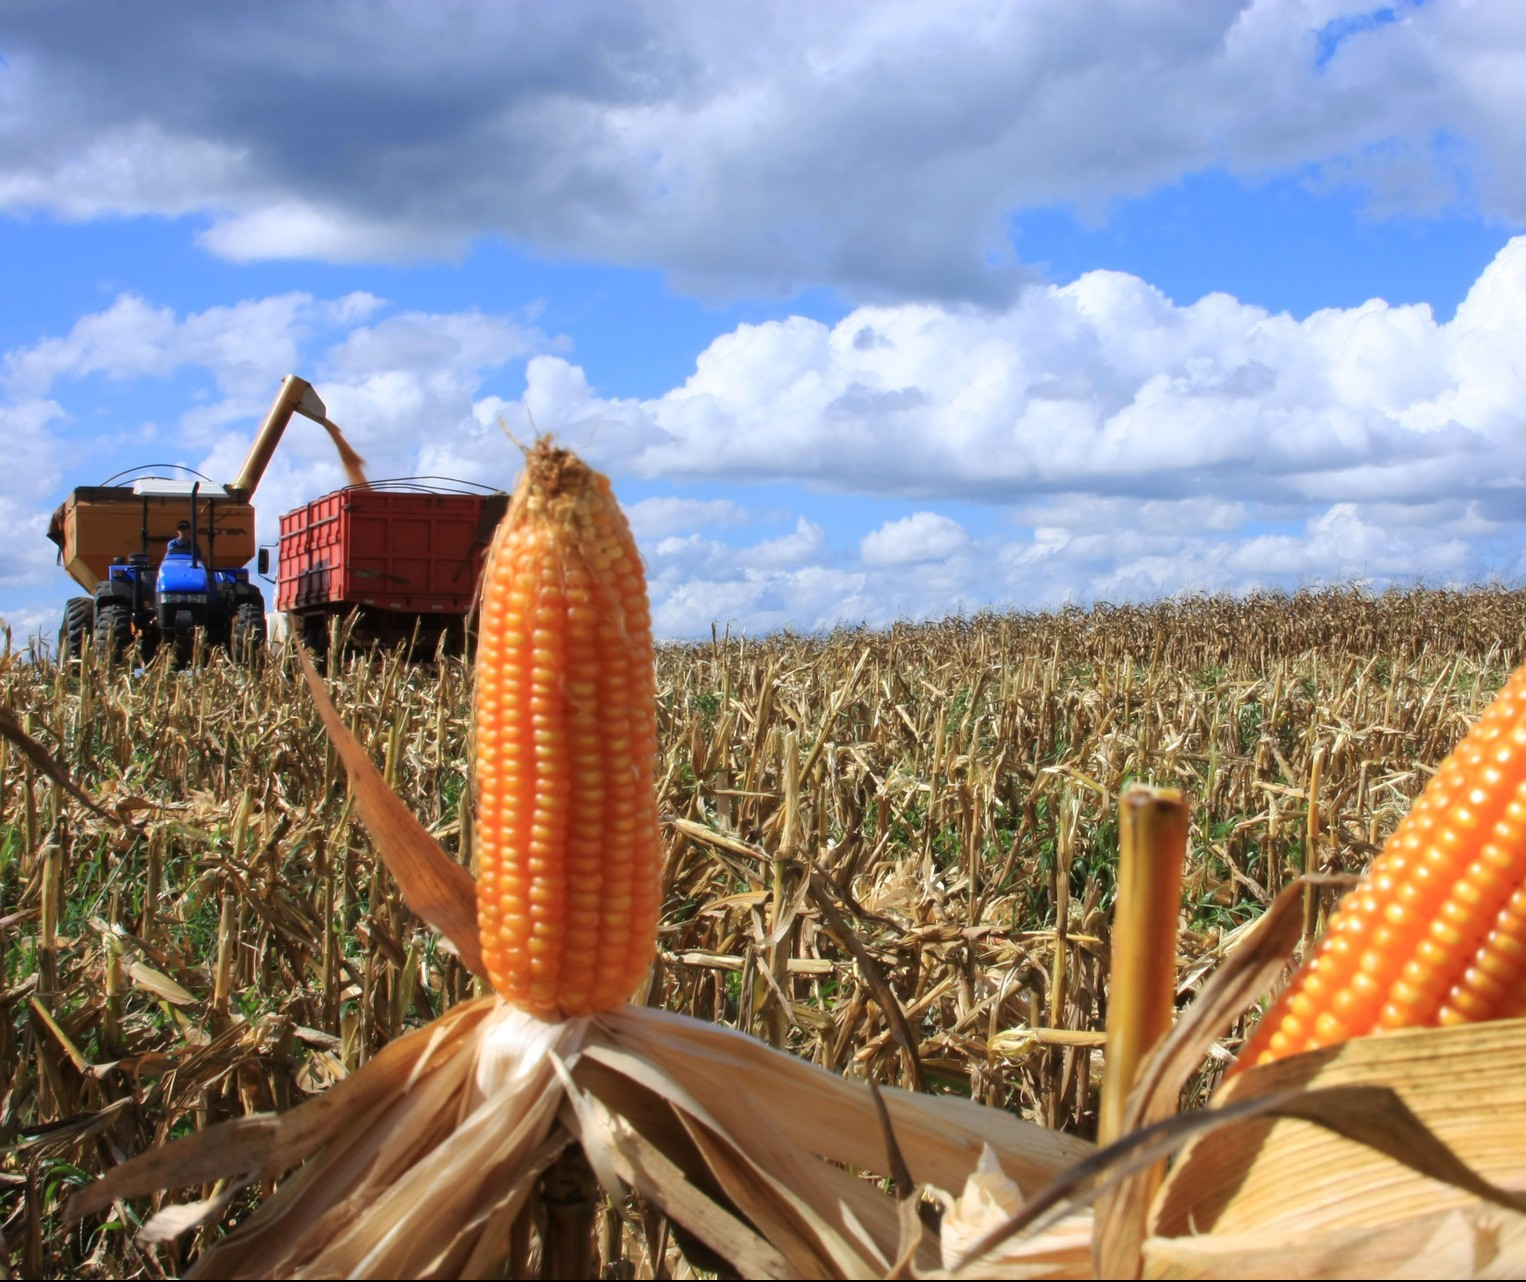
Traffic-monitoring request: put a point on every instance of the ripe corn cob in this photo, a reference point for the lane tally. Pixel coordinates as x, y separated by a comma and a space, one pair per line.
1436, 932
566, 730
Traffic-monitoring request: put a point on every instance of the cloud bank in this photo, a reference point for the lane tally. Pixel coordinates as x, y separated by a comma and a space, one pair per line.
1096, 440
1101, 387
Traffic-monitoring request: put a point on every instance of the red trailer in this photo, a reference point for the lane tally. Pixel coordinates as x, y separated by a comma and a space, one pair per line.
407, 560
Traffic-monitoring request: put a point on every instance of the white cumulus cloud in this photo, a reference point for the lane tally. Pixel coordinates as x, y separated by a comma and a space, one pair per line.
654, 517
1100, 440
922, 536
1101, 387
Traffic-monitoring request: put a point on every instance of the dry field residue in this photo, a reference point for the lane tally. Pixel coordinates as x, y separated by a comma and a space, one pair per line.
889, 852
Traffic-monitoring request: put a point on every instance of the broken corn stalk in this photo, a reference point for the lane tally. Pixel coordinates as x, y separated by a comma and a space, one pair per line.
1435, 934
565, 716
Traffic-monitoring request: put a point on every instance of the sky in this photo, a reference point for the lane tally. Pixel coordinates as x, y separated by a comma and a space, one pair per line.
872, 312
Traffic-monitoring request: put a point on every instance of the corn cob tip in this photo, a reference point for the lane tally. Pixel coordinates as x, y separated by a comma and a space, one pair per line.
553, 472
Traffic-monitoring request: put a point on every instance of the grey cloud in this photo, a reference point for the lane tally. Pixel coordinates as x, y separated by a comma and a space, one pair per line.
880, 150
859, 401
1249, 380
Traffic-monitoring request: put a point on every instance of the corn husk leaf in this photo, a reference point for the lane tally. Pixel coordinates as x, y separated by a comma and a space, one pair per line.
1062, 1250
988, 1200
1004, 1249
679, 1192
1392, 1129
1472, 1243
436, 887
941, 1136
418, 1164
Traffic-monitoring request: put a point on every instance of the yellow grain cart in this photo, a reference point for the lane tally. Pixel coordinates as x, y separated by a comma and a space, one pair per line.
115, 541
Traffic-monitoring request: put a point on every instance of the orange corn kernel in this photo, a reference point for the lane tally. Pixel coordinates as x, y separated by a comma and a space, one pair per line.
566, 745
1436, 931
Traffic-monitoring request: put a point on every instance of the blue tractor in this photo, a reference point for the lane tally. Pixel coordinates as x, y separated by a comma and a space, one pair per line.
187, 592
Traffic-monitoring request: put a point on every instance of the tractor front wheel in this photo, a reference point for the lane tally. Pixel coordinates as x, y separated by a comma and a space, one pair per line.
185, 638
113, 632
79, 620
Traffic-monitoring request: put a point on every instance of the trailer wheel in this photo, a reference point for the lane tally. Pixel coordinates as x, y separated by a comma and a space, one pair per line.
113, 631
74, 635
315, 636
246, 638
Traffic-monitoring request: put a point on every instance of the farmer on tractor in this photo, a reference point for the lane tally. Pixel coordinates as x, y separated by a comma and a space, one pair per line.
182, 544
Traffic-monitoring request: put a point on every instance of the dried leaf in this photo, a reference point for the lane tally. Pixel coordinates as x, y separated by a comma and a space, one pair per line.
1101, 1172
740, 1158
989, 1199
1063, 1250
1450, 1133
782, 1217
817, 1112
43, 760
172, 1221
266, 1144
1470, 1242
436, 887
642, 1165
844, 934
159, 985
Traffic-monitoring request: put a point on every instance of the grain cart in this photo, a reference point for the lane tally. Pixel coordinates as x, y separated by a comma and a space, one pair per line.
113, 541
399, 560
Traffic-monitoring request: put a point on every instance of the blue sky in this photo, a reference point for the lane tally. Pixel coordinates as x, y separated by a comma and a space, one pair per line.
872, 312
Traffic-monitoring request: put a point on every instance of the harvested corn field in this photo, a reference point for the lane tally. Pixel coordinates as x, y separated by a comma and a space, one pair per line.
892, 854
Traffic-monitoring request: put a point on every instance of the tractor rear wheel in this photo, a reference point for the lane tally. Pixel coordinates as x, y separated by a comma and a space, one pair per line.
79, 619
185, 638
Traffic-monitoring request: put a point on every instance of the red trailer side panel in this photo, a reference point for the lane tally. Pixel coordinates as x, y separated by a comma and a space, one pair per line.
391, 550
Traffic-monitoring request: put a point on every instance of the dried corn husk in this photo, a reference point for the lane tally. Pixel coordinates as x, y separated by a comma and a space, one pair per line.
1474, 1243
989, 1199
1418, 1134
419, 1164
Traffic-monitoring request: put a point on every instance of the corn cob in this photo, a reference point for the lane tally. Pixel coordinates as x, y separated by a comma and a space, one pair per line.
566, 741
1436, 932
